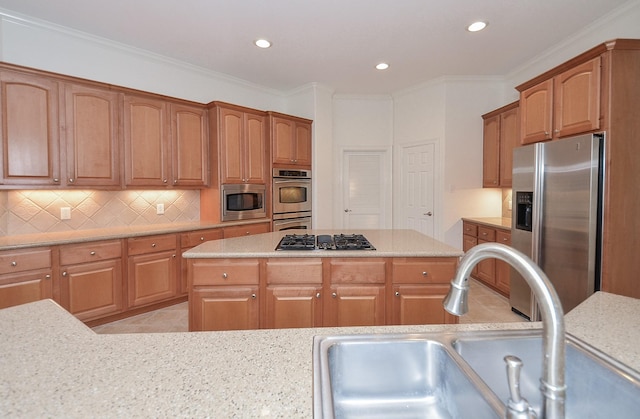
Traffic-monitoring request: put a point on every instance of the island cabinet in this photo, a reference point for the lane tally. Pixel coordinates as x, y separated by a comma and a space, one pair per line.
501, 136
152, 269
25, 276
91, 279
293, 293
223, 294
30, 134
357, 292
290, 140
92, 136
246, 230
188, 241
419, 287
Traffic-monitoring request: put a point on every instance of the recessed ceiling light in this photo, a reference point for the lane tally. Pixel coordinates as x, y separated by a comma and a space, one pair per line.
476, 26
382, 66
263, 43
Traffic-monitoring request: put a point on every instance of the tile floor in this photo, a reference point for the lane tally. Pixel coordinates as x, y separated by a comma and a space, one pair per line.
485, 306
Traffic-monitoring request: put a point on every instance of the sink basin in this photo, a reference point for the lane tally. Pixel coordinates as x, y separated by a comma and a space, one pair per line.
459, 375
393, 376
597, 386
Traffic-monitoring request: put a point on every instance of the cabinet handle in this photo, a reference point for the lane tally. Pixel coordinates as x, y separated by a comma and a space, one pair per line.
224, 275
253, 296
164, 180
397, 293
70, 180
504, 239
201, 239
424, 273
318, 295
64, 273
334, 295
92, 253
47, 276
546, 133
14, 263
153, 245
56, 180
173, 256
175, 182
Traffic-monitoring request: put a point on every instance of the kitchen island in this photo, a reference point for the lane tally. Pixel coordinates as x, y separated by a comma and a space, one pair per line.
54, 366
245, 283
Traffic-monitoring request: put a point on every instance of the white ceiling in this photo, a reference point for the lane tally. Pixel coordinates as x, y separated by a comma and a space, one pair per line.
333, 42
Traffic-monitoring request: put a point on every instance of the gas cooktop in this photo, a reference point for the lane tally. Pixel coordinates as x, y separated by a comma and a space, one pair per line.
324, 242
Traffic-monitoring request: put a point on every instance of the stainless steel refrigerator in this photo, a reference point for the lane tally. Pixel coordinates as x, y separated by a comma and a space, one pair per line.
557, 217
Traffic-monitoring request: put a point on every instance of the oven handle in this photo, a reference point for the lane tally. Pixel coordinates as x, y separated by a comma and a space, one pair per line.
302, 182
291, 221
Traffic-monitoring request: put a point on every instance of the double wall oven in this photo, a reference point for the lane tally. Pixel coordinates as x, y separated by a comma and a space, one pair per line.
291, 199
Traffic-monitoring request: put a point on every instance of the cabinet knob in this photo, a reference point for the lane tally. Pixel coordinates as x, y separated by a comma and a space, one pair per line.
317, 295
64, 273
47, 276
224, 275
56, 180
153, 245
71, 180
164, 180
546, 133
253, 296
173, 256
201, 239
92, 253
14, 263
397, 293
334, 295
424, 273
175, 182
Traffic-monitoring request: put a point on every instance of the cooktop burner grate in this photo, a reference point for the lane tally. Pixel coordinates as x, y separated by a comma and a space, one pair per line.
324, 242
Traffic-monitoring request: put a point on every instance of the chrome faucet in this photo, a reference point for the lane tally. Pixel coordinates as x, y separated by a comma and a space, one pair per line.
552, 383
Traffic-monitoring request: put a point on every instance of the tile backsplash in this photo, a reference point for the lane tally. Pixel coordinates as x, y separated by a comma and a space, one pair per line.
38, 211
507, 203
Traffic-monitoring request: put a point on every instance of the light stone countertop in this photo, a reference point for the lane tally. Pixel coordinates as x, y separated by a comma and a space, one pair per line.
54, 366
109, 233
497, 222
388, 243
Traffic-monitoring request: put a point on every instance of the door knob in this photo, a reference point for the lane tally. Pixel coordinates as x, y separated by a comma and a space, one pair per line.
428, 213
347, 210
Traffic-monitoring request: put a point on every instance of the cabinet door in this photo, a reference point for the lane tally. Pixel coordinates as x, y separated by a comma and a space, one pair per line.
231, 148
486, 268
30, 130
577, 100
25, 287
509, 139
355, 305
190, 139
491, 152
255, 150
420, 304
152, 278
224, 308
187, 242
503, 270
536, 113
302, 144
92, 290
146, 139
293, 306
92, 136
282, 132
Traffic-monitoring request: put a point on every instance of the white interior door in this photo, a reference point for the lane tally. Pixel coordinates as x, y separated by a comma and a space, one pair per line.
418, 188
365, 189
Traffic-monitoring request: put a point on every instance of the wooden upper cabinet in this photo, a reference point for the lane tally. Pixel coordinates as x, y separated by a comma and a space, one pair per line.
290, 140
563, 105
500, 136
30, 141
190, 145
146, 140
242, 142
92, 136
577, 100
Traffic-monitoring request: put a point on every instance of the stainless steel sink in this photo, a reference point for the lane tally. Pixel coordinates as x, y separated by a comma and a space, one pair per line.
597, 386
458, 375
393, 376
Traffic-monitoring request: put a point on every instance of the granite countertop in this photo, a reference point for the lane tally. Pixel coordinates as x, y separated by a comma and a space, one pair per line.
110, 233
54, 366
388, 243
497, 222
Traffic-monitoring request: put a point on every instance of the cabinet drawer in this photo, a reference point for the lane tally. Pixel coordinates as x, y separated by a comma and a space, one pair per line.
486, 234
197, 237
294, 271
226, 272
503, 237
245, 230
89, 252
468, 242
469, 229
358, 271
151, 244
24, 260
424, 271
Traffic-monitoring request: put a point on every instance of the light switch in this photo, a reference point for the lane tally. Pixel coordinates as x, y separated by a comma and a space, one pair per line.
159, 209
65, 213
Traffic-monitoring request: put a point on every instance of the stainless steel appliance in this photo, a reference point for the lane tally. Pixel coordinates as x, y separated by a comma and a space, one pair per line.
557, 218
324, 242
291, 199
243, 201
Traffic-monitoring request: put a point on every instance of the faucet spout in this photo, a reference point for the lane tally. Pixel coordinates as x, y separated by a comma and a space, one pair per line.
552, 382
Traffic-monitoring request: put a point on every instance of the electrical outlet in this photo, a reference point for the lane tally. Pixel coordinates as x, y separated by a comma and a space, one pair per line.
65, 213
159, 209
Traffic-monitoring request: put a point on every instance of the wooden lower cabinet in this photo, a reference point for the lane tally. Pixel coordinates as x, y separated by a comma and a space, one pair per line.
91, 279
503, 270
189, 241
152, 269
355, 305
491, 272
224, 308
246, 230
25, 276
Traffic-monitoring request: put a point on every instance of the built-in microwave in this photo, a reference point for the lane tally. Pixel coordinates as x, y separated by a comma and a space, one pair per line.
243, 201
